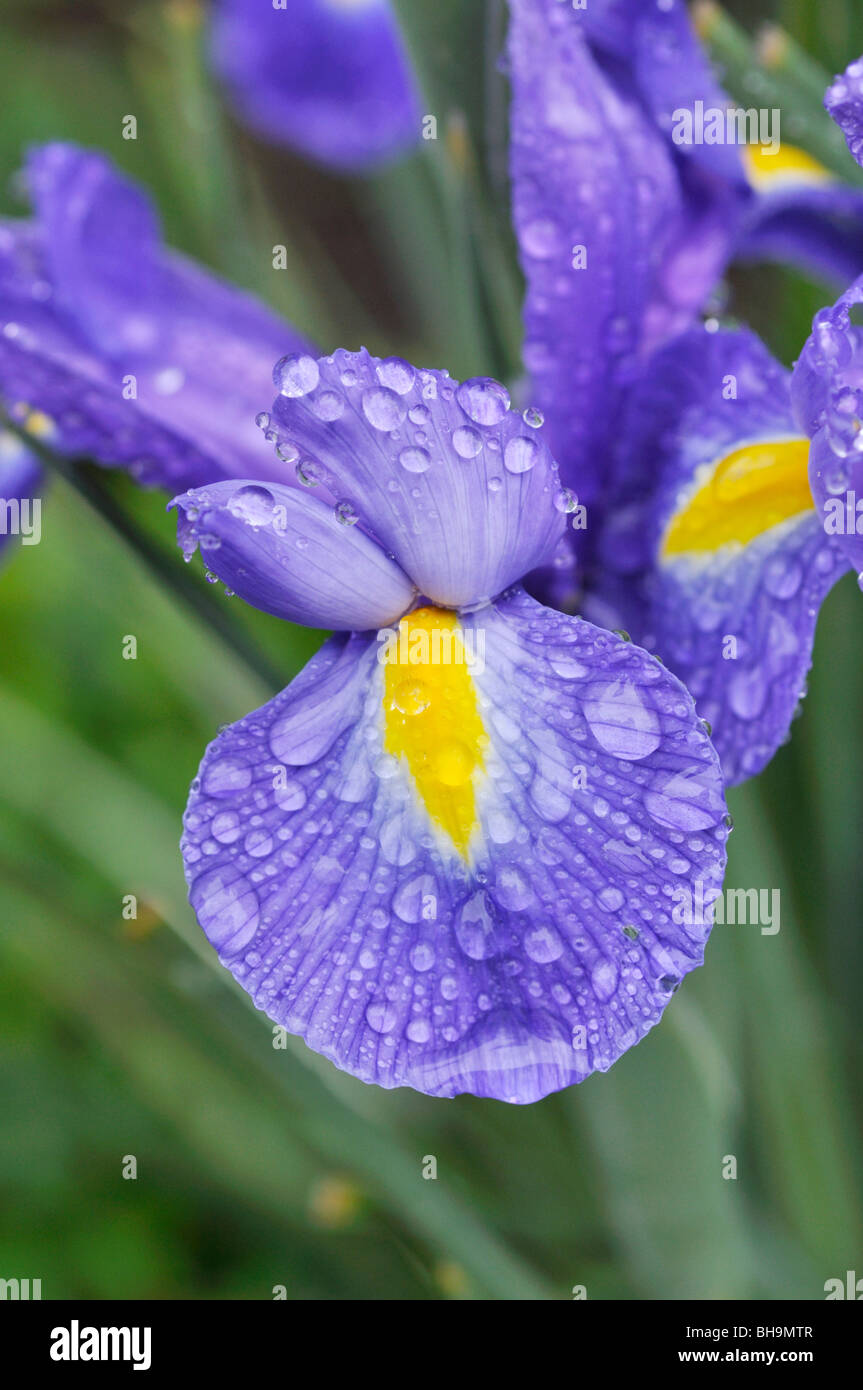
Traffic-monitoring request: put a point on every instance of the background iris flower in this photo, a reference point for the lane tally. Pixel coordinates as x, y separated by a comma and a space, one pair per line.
454, 875
329, 77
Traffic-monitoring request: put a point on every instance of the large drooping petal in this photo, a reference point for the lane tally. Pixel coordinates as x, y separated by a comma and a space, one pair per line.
827, 390
141, 358
459, 488
712, 553
482, 876
621, 234
290, 554
329, 77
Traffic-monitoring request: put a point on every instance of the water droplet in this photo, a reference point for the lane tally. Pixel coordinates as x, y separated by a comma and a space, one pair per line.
532, 417
226, 827
542, 943
262, 420
329, 405
565, 501
466, 442
541, 238
422, 957
226, 775
308, 472
611, 899
520, 454
346, 513
227, 908
296, 375
254, 505
453, 763
381, 1016
411, 697
511, 889
290, 797
620, 721
383, 409
415, 460
483, 400
396, 374
475, 927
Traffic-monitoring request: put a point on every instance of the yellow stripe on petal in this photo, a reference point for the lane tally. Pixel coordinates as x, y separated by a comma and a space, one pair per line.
741, 496
786, 167
432, 720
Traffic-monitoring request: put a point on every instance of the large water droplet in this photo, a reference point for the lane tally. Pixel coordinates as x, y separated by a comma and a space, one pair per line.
520, 454
383, 409
254, 505
415, 460
396, 374
227, 908
466, 442
620, 721
475, 928
296, 375
226, 775
542, 943
381, 1016
483, 400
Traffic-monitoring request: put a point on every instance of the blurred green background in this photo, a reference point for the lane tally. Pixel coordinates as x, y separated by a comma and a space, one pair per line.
258, 1167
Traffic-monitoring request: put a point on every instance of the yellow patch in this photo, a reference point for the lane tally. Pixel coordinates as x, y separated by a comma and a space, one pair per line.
432, 720
788, 166
744, 494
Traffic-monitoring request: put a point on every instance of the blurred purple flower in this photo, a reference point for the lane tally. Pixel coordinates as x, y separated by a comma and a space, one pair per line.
331, 78
458, 872
140, 358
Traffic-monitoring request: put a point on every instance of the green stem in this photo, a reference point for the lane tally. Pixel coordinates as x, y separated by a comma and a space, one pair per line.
88, 482
768, 73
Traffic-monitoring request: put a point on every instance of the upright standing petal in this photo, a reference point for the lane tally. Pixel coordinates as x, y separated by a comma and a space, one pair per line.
461, 489
141, 358
330, 77
485, 875
619, 244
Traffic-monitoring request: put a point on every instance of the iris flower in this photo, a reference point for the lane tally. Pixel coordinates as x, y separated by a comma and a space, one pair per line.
700, 535
448, 854
331, 78
140, 358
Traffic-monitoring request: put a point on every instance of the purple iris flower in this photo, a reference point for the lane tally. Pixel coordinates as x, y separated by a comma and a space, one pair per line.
699, 535
329, 77
453, 854
140, 358
623, 232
